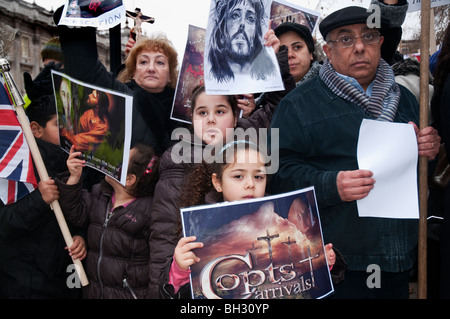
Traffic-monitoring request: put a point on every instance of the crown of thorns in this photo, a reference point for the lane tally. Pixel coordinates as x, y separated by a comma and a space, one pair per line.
223, 3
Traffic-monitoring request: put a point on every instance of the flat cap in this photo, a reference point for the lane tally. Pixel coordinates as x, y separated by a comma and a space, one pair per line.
302, 30
347, 16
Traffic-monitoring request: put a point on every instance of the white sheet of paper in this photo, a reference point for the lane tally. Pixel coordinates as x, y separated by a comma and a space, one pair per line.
390, 151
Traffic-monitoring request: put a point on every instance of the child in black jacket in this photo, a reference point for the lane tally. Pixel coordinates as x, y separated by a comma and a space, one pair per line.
34, 261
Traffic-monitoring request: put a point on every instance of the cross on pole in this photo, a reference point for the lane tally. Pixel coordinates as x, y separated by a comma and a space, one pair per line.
138, 18
269, 238
289, 243
309, 259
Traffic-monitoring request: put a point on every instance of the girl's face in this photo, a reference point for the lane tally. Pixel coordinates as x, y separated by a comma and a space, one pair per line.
152, 71
211, 117
244, 179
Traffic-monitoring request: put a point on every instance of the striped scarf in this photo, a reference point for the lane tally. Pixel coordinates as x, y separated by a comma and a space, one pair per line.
383, 103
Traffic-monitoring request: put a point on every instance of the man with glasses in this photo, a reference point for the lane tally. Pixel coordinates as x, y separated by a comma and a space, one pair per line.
319, 124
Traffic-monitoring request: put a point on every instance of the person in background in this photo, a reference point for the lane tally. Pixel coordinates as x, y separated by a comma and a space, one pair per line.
52, 58
440, 106
150, 75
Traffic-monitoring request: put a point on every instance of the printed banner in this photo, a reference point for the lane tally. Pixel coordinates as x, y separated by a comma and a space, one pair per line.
416, 5
283, 11
191, 74
97, 121
264, 248
102, 14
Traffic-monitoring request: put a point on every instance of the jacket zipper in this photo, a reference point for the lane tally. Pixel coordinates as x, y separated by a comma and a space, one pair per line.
126, 285
100, 254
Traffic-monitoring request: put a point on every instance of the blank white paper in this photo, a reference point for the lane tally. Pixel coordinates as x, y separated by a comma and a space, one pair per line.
390, 151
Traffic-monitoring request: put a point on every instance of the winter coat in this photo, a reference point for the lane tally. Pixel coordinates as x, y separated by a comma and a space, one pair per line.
118, 259
33, 259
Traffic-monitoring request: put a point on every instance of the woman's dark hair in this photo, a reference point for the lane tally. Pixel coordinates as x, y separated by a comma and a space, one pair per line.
103, 105
144, 164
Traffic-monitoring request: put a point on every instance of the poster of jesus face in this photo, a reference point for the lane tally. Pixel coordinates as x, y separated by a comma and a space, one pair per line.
236, 59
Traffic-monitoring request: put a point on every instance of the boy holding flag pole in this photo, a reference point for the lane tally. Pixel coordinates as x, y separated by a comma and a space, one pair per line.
18, 103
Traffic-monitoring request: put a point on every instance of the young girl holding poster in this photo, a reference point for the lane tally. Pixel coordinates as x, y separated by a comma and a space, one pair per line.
118, 222
237, 173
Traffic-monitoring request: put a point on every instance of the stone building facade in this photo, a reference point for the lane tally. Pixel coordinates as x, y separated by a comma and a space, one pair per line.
34, 27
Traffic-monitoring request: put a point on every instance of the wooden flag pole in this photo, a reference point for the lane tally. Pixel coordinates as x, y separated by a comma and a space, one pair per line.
38, 161
423, 161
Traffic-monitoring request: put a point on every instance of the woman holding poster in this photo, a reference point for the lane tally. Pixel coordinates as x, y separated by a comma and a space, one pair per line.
149, 75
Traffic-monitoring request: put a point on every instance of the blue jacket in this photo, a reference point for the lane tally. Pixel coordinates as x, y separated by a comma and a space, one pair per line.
318, 136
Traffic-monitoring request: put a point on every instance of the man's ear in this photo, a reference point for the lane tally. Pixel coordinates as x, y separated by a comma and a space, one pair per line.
131, 179
326, 48
217, 184
36, 129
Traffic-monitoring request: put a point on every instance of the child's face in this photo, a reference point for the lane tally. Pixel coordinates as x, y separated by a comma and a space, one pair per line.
211, 117
51, 131
244, 179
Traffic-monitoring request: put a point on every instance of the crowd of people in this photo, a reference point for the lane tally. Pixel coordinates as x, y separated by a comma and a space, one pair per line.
128, 236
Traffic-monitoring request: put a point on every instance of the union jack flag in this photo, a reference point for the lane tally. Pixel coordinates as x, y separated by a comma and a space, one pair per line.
17, 177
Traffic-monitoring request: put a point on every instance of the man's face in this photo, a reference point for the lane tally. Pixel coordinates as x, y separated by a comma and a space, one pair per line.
64, 92
241, 31
93, 98
359, 61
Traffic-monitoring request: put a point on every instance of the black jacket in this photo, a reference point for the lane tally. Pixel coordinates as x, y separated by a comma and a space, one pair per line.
33, 259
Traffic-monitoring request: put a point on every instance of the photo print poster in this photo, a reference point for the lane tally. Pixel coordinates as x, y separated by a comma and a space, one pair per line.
96, 121
264, 248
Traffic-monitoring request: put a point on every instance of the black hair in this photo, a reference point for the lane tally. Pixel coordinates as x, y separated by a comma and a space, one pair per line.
144, 164
41, 110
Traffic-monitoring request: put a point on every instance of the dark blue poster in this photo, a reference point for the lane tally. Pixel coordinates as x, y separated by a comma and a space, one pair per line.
264, 248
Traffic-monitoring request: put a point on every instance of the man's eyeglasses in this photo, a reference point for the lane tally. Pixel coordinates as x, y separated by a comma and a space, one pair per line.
347, 41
